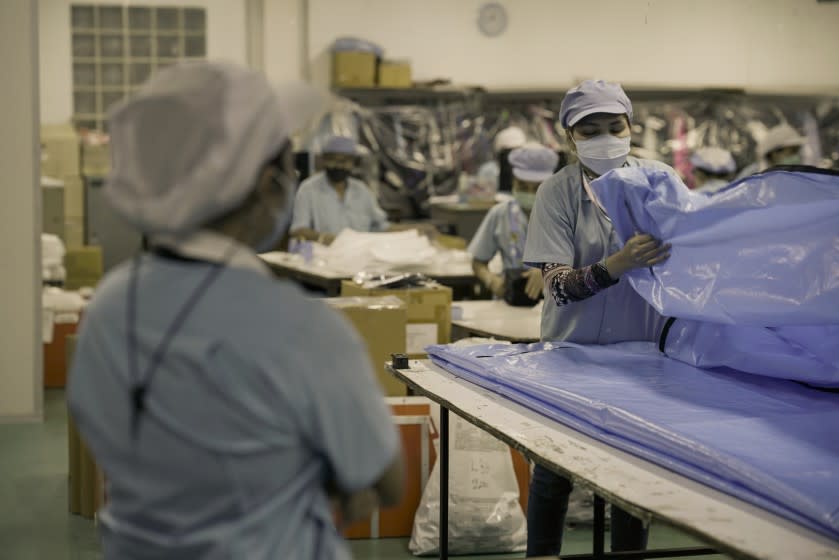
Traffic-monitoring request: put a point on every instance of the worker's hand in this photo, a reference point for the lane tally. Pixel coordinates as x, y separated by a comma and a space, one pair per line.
533, 288
495, 283
639, 251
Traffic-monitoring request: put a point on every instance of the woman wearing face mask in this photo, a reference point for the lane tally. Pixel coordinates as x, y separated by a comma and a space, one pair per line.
782, 145
200, 382
331, 200
504, 229
712, 168
572, 242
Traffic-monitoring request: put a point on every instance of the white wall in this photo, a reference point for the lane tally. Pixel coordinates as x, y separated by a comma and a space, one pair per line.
225, 41
21, 393
756, 44
284, 39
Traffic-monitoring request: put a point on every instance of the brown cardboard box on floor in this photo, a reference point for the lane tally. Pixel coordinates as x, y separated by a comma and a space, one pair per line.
84, 267
380, 321
429, 313
86, 482
353, 69
59, 151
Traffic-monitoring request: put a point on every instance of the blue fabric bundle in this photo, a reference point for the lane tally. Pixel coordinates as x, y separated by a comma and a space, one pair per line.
770, 442
753, 277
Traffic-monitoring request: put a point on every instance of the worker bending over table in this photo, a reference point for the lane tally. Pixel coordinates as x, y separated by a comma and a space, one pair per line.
332, 200
504, 229
572, 241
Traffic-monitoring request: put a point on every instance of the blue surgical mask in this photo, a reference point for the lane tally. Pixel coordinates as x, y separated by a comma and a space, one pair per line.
281, 216
603, 152
525, 199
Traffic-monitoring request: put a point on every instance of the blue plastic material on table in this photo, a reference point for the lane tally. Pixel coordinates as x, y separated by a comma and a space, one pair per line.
757, 263
769, 442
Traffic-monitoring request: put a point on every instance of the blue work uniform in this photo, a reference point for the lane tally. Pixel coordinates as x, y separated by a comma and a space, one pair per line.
567, 227
246, 422
318, 207
503, 230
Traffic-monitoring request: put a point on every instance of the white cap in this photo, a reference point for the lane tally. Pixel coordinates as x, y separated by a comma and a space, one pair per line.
780, 136
533, 162
713, 160
509, 138
189, 146
340, 145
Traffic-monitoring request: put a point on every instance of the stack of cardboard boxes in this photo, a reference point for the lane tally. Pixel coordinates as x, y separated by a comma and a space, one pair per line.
363, 69
60, 160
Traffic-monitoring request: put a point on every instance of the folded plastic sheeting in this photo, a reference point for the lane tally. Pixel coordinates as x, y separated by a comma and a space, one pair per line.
764, 251
753, 276
769, 442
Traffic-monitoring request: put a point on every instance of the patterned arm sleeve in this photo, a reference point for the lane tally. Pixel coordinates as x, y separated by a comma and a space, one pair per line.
568, 285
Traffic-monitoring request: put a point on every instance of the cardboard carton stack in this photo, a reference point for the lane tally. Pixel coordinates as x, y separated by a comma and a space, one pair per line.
60, 160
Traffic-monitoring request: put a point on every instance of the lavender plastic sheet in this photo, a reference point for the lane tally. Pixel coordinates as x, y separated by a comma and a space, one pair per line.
769, 442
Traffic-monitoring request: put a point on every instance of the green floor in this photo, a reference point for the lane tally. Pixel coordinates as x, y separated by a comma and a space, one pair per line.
35, 525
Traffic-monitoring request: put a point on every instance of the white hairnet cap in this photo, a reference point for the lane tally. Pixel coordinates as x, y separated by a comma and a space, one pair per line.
780, 136
341, 145
189, 146
713, 160
509, 138
533, 162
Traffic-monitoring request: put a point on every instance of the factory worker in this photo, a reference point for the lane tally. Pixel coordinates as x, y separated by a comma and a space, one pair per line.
498, 171
781, 146
571, 240
712, 168
504, 228
331, 200
199, 382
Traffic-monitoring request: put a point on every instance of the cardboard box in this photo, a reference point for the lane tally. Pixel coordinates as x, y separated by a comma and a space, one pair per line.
381, 323
353, 69
96, 159
56, 351
86, 482
395, 74
59, 151
84, 267
429, 313
413, 417
73, 196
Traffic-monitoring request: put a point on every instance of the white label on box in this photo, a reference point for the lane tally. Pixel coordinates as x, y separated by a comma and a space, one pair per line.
420, 335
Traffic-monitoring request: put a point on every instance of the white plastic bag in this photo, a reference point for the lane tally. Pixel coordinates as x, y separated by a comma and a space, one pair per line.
484, 511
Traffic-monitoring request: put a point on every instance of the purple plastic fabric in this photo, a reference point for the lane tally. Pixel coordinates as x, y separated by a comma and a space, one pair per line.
769, 442
753, 277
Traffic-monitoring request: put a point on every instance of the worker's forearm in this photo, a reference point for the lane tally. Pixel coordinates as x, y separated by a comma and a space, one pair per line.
568, 285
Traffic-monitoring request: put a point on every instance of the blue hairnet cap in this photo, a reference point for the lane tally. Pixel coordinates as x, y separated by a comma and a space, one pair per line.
713, 160
593, 96
340, 145
533, 162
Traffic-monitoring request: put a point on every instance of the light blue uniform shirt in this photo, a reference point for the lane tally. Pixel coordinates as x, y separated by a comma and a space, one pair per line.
503, 229
262, 397
567, 227
318, 207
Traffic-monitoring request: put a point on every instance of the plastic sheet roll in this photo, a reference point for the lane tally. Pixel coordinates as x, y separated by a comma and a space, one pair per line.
769, 442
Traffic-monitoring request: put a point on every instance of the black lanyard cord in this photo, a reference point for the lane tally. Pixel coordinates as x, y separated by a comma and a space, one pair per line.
140, 385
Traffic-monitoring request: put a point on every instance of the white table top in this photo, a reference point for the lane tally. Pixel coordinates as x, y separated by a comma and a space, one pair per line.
645, 489
497, 319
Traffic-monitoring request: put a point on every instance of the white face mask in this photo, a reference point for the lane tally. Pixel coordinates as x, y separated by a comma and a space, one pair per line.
603, 152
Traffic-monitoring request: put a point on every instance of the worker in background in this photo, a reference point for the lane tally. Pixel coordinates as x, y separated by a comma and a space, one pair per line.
199, 382
781, 145
332, 200
572, 241
498, 171
713, 168
504, 229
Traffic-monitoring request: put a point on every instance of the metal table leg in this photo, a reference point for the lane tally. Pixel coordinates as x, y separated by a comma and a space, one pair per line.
444, 483
599, 533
